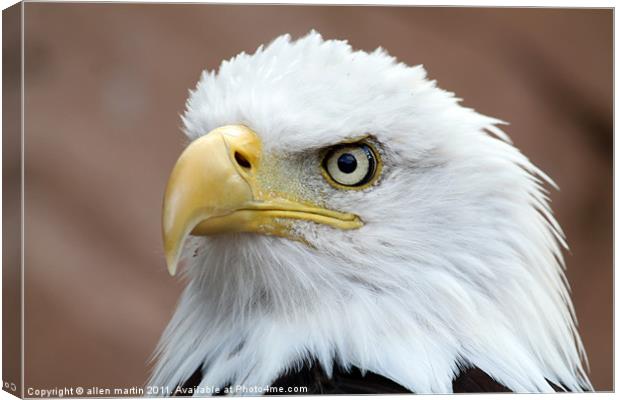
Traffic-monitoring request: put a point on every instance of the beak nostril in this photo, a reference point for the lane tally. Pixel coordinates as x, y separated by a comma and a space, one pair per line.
242, 161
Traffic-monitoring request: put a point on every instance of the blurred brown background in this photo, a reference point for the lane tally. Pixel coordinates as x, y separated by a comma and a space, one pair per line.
105, 84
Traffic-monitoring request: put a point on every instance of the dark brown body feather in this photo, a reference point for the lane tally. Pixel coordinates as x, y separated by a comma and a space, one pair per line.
312, 377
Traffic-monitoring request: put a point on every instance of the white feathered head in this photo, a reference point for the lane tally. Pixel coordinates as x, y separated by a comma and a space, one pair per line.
337, 205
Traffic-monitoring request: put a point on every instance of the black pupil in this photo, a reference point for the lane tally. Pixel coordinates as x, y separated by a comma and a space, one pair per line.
347, 163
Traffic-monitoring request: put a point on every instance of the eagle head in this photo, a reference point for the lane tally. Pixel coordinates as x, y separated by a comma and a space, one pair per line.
336, 206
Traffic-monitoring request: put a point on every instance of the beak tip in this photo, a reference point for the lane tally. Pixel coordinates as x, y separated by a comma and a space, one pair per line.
171, 264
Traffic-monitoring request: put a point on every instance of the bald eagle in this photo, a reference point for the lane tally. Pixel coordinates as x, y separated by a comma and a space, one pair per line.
346, 226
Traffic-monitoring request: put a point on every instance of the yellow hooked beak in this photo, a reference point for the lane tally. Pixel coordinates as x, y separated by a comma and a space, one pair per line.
213, 189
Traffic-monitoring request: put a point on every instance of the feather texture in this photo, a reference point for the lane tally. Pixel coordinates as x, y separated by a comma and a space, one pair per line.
459, 262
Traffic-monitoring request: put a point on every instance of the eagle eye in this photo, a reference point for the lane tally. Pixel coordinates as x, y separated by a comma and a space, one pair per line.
351, 165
